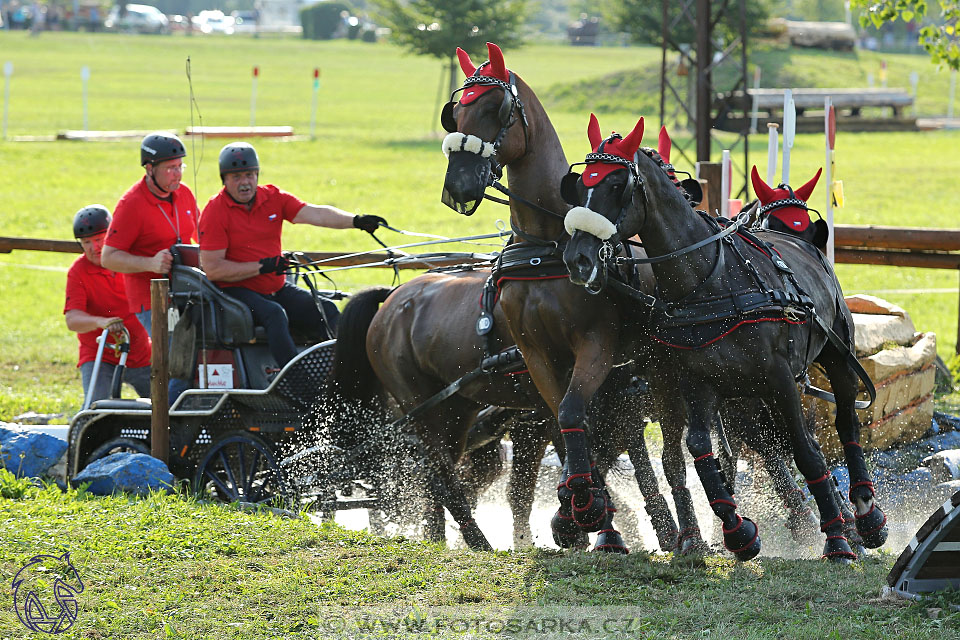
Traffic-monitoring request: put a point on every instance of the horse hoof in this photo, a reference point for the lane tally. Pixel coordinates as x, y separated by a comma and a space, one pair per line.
610, 541
590, 516
743, 540
566, 533
837, 550
691, 544
872, 527
474, 537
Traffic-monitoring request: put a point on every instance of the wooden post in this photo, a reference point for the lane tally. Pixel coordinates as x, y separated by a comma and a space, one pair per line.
712, 172
159, 373
704, 84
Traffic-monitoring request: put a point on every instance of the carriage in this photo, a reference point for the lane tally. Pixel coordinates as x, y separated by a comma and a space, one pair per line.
230, 434
249, 431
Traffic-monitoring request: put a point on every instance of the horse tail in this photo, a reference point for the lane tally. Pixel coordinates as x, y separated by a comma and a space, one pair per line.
352, 377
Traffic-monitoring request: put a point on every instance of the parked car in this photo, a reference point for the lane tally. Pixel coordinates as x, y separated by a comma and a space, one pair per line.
245, 21
137, 18
213, 21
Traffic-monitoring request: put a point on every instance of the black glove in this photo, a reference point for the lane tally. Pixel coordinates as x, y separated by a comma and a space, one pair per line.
274, 264
368, 223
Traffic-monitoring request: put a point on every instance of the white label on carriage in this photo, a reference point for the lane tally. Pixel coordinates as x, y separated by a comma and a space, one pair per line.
219, 376
173, 317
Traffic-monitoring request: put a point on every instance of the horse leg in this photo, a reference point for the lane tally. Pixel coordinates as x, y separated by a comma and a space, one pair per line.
740, 535
871, 521
591, 368
672, 422
811, 464
654, 503
529, 444
444, 436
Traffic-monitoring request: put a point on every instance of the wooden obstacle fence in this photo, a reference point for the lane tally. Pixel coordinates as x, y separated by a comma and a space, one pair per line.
854, 244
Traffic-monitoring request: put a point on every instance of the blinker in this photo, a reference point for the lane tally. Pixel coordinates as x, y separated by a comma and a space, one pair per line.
447, 121
568, 188
693, 189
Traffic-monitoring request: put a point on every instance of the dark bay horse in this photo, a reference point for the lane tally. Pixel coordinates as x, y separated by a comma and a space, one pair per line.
570, 340
422, 339
737, 315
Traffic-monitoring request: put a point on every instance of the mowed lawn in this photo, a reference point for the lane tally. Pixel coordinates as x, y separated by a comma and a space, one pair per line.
377, 150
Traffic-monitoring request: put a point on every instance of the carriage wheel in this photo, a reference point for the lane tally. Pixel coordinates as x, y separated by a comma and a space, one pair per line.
240, 468
118, 445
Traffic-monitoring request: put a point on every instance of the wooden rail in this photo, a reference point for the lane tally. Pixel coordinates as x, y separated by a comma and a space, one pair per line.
854, 244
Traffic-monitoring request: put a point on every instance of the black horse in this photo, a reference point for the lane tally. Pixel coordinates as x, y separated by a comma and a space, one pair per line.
736, 315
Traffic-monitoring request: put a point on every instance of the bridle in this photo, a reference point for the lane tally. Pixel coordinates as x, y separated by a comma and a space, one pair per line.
510, 105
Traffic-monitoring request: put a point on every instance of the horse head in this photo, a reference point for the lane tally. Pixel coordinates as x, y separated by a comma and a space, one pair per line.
787, 205
482, 137
601, 196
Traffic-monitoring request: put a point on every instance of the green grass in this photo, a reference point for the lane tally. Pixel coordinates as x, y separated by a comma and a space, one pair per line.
377, 151
168, 567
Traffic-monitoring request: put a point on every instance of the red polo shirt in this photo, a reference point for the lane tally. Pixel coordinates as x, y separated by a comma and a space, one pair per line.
250, 235
143, 225
100, 292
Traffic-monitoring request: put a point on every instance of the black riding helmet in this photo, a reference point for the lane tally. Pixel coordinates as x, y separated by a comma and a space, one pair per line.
90, 221
238, 156
159, 146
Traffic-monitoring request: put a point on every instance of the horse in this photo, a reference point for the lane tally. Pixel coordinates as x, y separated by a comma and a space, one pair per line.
413, 342
736, 315
570, 339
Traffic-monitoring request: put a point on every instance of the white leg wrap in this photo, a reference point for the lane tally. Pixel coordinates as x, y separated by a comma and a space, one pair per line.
583, 219
457, 141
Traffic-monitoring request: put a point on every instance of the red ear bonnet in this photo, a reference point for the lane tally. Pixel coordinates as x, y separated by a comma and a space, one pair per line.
495, 69
625, 148
664, 144
794, 217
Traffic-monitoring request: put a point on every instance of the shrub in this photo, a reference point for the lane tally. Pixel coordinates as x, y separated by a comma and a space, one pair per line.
321, 20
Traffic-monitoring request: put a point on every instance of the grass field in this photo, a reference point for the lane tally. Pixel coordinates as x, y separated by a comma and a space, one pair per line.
377, 151
173, 569
167, 567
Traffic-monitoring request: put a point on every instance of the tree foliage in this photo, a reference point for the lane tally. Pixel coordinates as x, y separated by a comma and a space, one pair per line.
938, 36
642, 19
437, 27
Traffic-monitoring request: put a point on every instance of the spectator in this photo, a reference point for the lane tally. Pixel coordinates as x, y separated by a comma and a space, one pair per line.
95, 301
240, 249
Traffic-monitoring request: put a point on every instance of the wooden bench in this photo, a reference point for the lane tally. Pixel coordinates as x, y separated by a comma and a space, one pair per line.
849, 104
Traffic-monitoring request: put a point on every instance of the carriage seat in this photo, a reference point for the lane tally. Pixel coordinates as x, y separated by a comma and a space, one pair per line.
225, 321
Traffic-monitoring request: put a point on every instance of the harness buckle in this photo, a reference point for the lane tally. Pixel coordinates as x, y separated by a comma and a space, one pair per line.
793, 314
605, 253
535, 261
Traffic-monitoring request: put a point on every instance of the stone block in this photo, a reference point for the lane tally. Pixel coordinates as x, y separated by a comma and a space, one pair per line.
39, 452
873, 331
127, 472
945, 465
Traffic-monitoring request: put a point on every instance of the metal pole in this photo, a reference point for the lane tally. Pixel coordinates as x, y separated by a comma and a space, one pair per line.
953, 90
756, 99
85, 77
725, 184
253, 97
313, 110
773, 142
159, 371
7, 72
828, 182
704, 89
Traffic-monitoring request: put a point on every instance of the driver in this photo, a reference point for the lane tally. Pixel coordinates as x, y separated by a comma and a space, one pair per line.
96, 300
240, 249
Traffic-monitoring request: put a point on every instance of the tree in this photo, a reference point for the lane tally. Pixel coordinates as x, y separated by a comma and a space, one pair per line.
939, 38
642, 19
437, 27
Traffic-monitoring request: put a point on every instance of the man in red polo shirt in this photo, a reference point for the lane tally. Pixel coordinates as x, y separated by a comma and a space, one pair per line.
96, 300
240, 249
153, 215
